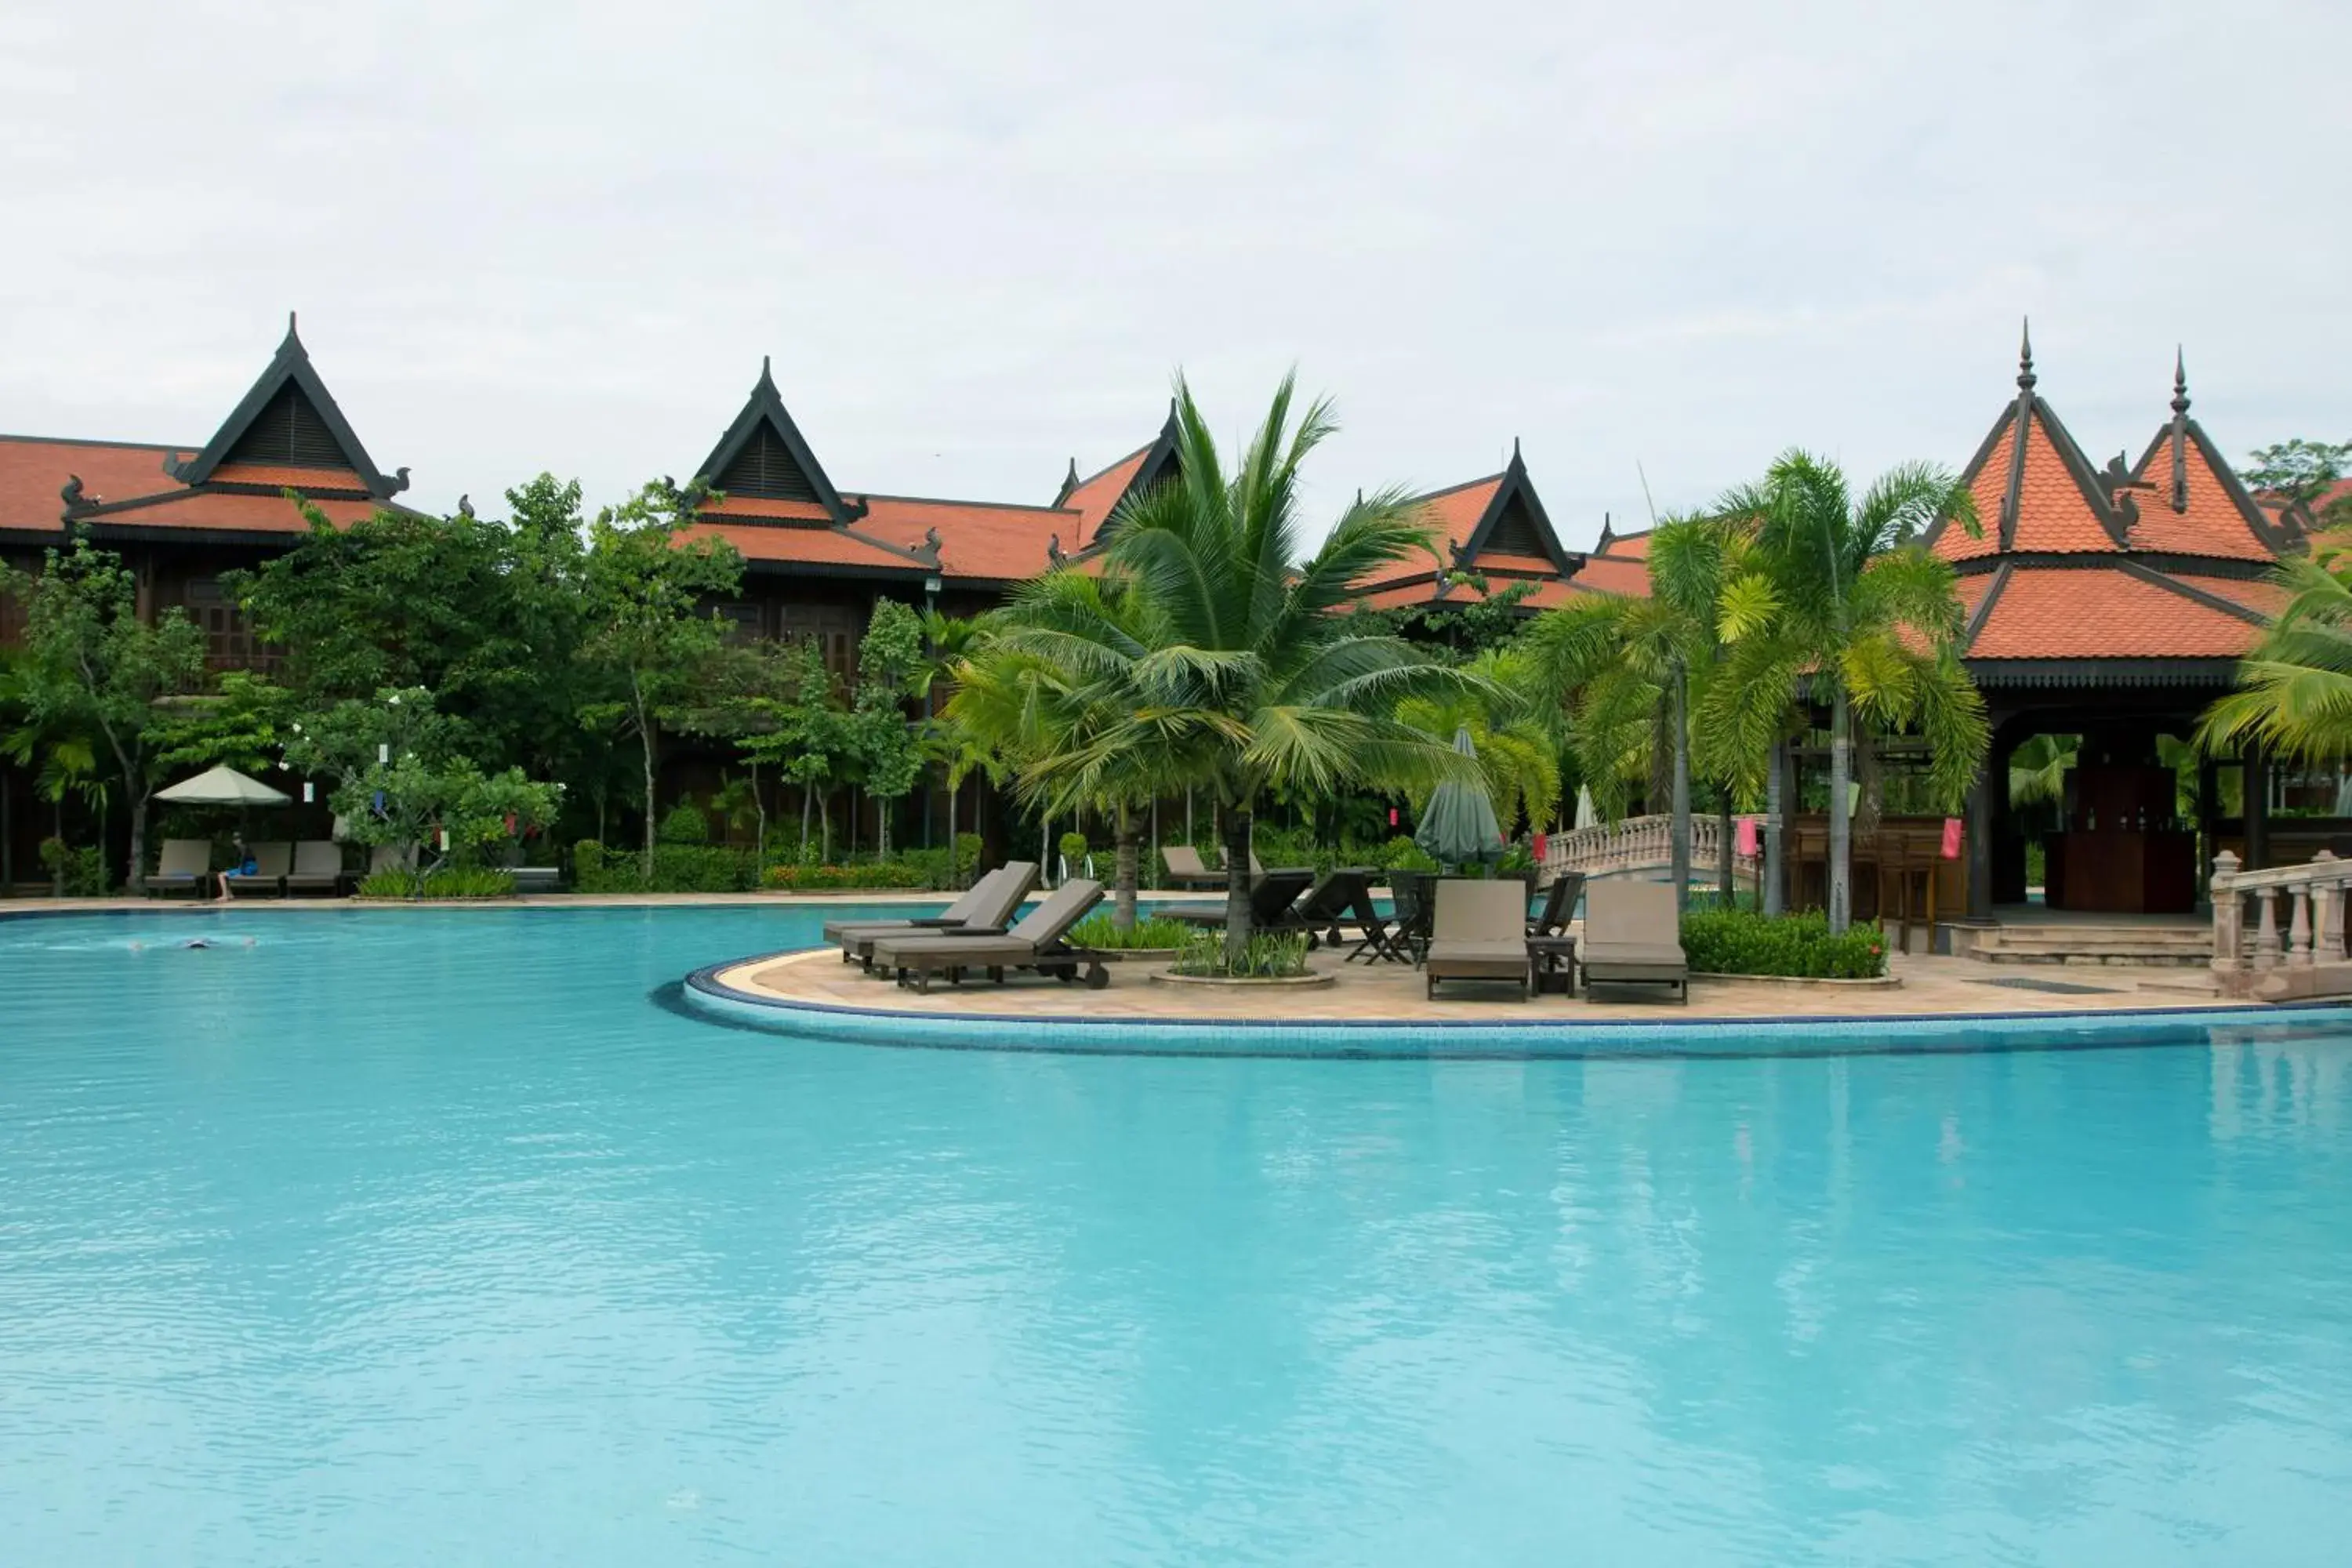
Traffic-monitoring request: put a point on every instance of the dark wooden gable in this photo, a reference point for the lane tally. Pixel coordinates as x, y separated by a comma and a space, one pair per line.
1514, 523
765, 456
1513, 532
288, 419
766, 467
289, 431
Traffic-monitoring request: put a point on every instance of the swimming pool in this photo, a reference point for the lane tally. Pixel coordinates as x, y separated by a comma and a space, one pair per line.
403, 1237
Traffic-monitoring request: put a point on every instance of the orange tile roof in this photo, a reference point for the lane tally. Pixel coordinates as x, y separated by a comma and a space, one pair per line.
809, 546
232, 512
978, 540
1626, 546
2211, 524
1549, 595
32, 472
321, 480
1521, 565
1453, 514
1627, 577
2104, 613
2054, 513
1094, 498
761, 507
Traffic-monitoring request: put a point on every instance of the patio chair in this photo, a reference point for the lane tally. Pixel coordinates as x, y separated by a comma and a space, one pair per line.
1633, 936
985, 911
183, 863
1187, 870
1038, 943
1480, 932
1560, 905
318, 867
1271, 896
1410, 901
271, 862
1342, 899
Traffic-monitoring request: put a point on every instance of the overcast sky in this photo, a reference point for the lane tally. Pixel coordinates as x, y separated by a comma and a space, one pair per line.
979, 239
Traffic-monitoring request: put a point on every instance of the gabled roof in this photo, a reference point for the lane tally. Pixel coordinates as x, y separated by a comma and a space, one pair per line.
2188, 501
765, 466
2124, 610
1616, 546
1494, 529
1097, 495
2035, 491
290, 424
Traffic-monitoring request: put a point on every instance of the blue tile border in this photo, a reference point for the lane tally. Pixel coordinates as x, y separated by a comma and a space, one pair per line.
703, 992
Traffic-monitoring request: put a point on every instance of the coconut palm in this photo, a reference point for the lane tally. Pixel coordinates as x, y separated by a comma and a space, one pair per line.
1637, 667
1239, 674
2294, 691
1047, 720
1516, 725
1840, 598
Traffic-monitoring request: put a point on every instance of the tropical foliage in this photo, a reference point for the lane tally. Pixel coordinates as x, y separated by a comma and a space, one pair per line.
2294, 691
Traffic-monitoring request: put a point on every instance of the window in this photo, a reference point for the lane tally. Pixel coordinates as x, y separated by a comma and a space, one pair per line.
229, 642
835, 629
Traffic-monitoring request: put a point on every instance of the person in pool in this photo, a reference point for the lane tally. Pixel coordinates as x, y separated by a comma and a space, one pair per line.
247, 865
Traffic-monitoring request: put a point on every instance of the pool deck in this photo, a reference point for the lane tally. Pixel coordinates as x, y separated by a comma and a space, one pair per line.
1950, 987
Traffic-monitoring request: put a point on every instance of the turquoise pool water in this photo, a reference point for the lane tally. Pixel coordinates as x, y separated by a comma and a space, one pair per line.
405, 1237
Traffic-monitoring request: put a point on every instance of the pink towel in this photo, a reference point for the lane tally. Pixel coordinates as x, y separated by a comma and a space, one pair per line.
1747, 843
1951, 838
1543, 847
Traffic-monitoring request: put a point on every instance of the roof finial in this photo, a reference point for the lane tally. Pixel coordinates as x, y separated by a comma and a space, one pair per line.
2179, 382
2179, 430
2025, 377
767, 378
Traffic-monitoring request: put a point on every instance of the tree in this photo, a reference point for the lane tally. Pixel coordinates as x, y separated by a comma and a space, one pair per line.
1639, 670
1838, 596
1245, 678
1516, 723
90, 663
2298, 469
1012, 701
889, 751
642, 591
799, 728
2294, 690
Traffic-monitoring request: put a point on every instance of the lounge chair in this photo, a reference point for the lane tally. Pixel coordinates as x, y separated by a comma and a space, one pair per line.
1186, 869
1271, 896
1560, 905
1479, 932
1633, 936
1340, 901
271, 862
985, 911
318, 867
1037, 943
183, 863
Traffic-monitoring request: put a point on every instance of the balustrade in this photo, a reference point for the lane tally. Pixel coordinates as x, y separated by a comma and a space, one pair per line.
2297, 947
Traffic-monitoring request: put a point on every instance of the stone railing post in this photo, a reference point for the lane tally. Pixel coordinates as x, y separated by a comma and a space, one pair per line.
2266, 931
2229, 912
2298, 934
2327, 908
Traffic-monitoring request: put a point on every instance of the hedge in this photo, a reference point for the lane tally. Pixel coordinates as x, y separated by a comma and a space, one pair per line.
1742, 941
904, 873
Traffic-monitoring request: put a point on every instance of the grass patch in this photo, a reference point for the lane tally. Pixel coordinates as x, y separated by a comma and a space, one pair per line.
448, 882
1265, 956
1155, 931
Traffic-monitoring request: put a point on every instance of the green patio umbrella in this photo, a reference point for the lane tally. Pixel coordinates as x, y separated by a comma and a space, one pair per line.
1458, 824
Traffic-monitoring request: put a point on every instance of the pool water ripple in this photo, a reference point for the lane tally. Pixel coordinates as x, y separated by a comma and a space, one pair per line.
426, 1236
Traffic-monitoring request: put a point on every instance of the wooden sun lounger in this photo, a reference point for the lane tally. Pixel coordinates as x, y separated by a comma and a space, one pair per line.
1633, 936
1479, 932
1270, 899
271, 862
1186, 869
1037, 943
985, 911
318, 867
183, 863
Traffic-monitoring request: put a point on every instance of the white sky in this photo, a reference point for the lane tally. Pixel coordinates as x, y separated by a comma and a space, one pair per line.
980, 238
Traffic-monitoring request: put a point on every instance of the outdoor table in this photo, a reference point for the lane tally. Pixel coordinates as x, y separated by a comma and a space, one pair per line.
1554, 958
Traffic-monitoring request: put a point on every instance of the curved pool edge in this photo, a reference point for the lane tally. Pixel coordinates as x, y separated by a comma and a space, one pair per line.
1791, 1036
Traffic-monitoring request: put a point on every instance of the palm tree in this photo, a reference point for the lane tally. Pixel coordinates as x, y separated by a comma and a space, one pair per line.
1239, 673
1638, 668
2294, 691
1516, 724
1840, 597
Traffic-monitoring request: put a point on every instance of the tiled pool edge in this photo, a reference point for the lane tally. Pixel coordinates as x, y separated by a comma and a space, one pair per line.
1489, 1039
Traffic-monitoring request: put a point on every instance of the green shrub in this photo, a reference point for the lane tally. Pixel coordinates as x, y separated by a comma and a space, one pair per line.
677, 869
1265, 956
1153, 932
685, 824
799, 879
1073, 846
1402, 854
1742, 941
443, 882
81, 872
968, 848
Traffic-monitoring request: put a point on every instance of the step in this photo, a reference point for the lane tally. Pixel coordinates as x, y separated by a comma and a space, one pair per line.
2178, 960
2203, 945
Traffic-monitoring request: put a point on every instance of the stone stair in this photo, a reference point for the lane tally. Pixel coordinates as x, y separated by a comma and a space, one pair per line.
2146, 946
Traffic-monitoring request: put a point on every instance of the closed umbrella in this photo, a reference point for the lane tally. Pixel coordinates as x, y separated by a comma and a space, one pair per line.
1585, 816
1458, 825
223, 786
